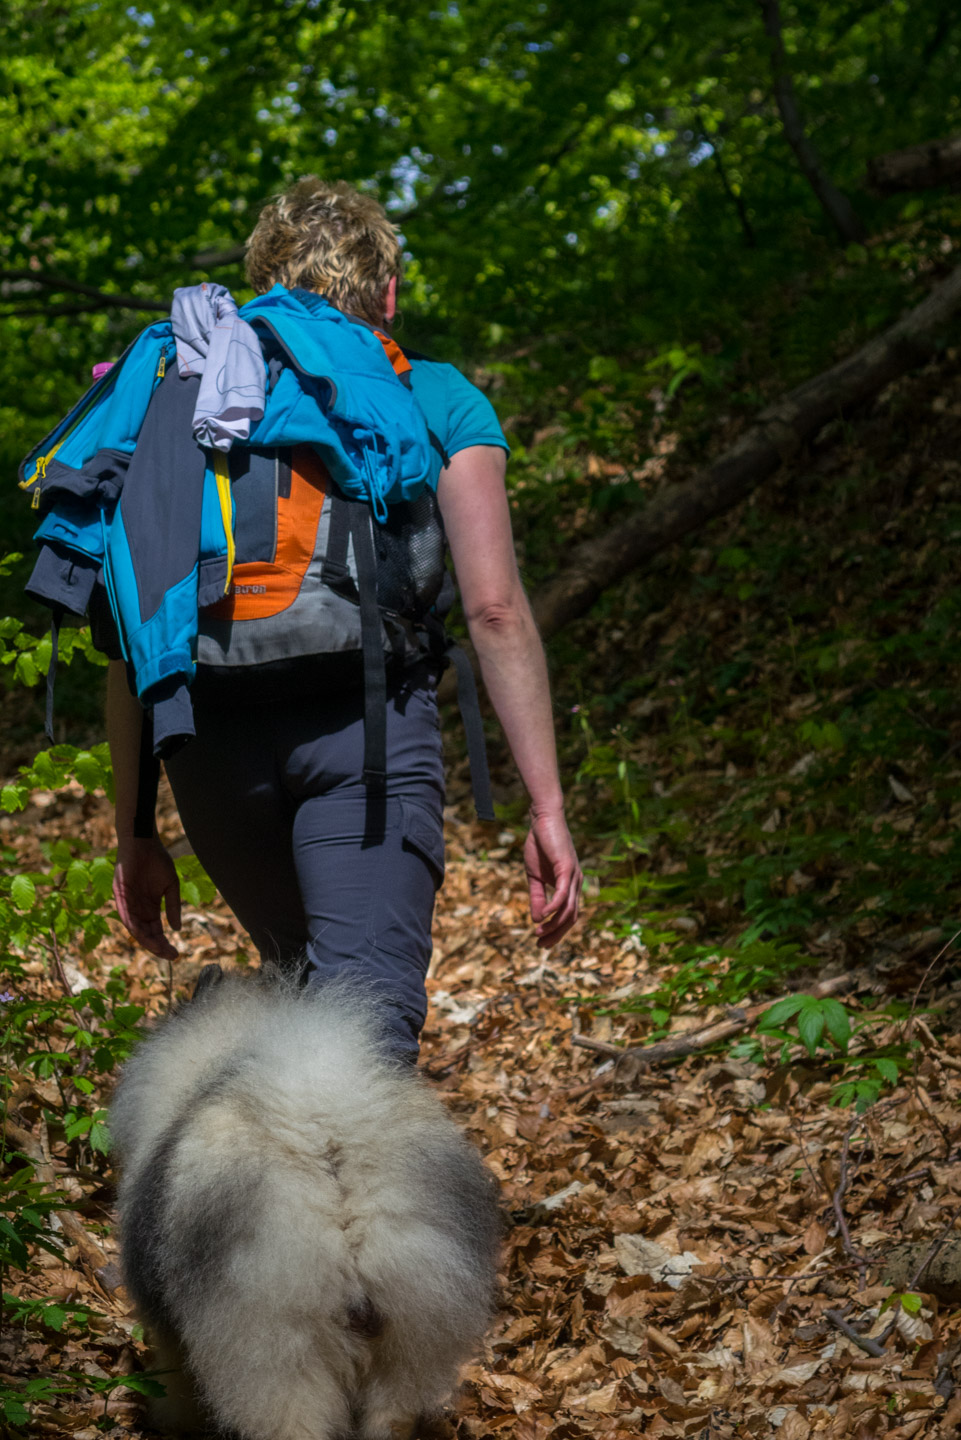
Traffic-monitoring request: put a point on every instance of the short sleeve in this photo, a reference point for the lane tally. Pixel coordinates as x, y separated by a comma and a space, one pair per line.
471, 418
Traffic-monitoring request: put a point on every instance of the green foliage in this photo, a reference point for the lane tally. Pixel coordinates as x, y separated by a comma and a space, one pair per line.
47, 1314
816, 1021
15, 1399
600, 198
25, 1207
75, 1041
911, 1303
824, 1025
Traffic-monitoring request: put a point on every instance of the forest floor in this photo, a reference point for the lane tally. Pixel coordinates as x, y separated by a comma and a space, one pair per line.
761, 735
689, 1251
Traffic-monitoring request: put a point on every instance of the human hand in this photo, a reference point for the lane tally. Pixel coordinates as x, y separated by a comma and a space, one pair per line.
144, 876
553, 876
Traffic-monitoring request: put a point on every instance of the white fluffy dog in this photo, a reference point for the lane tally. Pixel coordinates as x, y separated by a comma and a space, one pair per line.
307, 1234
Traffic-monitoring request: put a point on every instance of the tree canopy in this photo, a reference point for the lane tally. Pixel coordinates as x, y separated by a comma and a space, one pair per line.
578, 181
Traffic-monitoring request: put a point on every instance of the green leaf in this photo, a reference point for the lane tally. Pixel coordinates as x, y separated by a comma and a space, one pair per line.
144, 1384
16, 1247
100, 1138
101, 877
838, 1022
54, 1316
23, 892
912, 1303
77, 878
811, 1025
88, 771
16, 1413
782, 1011
25, 670
888, 1070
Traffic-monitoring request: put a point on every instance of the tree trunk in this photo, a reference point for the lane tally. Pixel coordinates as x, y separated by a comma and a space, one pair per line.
834, 203
778, 433
919, 167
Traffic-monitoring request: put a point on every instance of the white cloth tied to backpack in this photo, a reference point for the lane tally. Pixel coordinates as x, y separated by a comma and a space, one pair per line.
216, 344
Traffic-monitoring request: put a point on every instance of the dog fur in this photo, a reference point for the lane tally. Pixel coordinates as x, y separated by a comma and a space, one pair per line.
309, 1237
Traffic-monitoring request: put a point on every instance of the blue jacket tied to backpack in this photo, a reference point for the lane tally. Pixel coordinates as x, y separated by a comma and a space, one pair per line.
128, 495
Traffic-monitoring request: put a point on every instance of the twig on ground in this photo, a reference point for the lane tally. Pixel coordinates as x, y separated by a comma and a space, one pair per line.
945, 947
690, 1042
863, 1342
837, 1198
601, 1047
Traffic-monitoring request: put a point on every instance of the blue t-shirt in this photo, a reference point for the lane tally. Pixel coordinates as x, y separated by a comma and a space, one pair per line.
456, 411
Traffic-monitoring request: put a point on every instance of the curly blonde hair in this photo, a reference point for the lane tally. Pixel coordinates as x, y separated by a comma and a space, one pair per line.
326, 237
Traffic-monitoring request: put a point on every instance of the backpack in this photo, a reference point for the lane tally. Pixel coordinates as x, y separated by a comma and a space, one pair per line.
302, 581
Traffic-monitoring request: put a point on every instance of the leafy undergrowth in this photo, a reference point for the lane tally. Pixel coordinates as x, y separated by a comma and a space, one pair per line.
764, 723
674, 1244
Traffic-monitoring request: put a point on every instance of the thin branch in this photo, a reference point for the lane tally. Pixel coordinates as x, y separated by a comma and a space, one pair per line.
216, 259
91, 307
736, 200
921, 983
833, 201
837, 1197
600, 1047
58, 962
863, 1342
50, 281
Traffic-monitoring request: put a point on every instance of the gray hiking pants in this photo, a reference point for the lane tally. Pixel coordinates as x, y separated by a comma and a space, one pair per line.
272, 801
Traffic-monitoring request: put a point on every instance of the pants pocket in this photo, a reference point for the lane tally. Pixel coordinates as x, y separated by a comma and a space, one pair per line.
423, 833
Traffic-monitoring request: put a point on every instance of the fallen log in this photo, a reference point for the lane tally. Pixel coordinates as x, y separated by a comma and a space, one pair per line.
918, 167
777, 434
690, 1042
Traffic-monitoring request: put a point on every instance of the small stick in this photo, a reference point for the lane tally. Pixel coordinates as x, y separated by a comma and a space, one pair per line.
600, 1046
946, 946
59, 964
689, 1042
863, 1342
836, 1205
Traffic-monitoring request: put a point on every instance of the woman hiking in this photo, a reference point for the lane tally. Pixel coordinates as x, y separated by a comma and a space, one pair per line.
271, 790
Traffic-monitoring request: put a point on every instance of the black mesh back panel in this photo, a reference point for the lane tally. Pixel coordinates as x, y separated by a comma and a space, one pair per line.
410, 548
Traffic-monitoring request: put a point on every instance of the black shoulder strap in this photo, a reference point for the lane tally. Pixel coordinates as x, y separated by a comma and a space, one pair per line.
375, 668
334, 572
438, 446
148, 779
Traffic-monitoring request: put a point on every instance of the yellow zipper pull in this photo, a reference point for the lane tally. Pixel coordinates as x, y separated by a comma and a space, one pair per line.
162, 367
38, 479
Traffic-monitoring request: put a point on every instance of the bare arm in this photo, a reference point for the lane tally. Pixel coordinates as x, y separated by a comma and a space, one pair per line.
145, 873
473, 502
